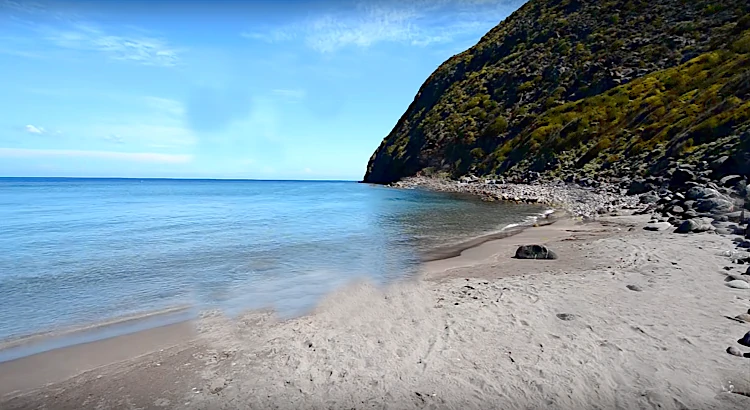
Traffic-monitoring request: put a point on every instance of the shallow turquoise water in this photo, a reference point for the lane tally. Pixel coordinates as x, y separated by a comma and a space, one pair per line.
80, 251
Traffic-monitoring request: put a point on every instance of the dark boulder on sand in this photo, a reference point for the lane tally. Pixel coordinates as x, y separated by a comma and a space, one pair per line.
534, 252
695, 225
745, 341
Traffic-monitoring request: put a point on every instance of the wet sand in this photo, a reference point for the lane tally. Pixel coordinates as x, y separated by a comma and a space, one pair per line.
477, 330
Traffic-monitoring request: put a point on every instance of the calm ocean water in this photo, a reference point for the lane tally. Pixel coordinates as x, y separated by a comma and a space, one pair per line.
79, 251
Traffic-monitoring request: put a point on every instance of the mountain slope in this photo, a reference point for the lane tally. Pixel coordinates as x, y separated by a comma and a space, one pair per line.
569, 86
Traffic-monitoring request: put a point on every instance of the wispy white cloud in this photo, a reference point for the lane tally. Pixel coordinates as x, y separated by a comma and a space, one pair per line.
46, 26
135, 48
108, 155
418, 22
22, 6
32, 129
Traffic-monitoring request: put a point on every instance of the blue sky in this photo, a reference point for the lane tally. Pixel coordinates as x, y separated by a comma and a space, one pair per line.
266, 89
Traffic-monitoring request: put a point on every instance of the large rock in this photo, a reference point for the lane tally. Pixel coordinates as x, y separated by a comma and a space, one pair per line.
701, 192
638, 187
681, 176
535, 252
717, 163
730, 180
648, 198
696, 225
714, 205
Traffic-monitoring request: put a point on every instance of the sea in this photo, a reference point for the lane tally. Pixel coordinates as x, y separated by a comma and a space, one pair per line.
75, 252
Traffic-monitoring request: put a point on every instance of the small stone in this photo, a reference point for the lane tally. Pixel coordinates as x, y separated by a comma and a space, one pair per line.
733, 276
635, 288
657, 226
738, 284
690, 214
745, 317
735, 216
734, 351
217, 385
565, 316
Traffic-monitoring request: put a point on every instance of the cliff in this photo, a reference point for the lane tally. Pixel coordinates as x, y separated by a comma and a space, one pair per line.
584, 88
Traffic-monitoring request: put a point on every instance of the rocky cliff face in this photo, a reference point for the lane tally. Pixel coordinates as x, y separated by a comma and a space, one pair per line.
584, 88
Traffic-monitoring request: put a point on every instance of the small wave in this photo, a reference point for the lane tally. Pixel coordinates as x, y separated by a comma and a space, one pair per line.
529, 220
509, 226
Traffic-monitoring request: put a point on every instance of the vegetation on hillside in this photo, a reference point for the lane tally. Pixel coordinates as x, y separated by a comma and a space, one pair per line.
572, 86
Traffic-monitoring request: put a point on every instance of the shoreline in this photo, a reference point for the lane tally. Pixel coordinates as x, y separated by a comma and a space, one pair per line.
260, 356
88, 332
447, 252
26, 352
23, 374
45, 341
17, 374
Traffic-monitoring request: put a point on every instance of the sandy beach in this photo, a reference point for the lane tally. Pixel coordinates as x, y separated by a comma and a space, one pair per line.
625, 318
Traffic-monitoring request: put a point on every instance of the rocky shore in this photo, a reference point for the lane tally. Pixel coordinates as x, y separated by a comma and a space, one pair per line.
579, 201
684, 200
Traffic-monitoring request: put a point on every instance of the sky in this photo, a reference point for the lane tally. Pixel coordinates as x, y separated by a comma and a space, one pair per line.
223, 89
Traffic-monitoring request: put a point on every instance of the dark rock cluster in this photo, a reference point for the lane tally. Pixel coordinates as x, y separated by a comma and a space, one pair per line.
695, 199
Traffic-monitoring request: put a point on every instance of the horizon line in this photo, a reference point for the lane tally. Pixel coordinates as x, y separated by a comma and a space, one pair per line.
185, 179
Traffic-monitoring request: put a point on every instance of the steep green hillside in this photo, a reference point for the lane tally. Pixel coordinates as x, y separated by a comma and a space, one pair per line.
576, 86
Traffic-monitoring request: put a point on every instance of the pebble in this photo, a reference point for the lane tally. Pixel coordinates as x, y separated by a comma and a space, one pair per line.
635, 288
657, 226
745, 317
565, 316
734, 351
738, 284
732, 276
217, 385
